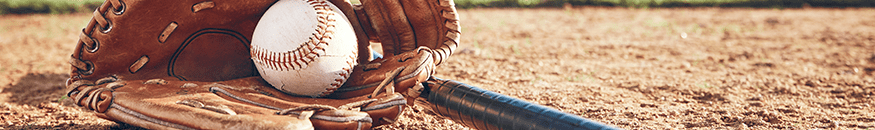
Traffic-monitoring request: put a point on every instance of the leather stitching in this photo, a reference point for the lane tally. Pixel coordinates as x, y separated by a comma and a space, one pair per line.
451, 23
90, 44
202, 6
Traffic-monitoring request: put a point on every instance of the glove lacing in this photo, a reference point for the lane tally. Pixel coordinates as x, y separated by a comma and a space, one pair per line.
454, 30
86, 94
104, 25
305, 112
354, 106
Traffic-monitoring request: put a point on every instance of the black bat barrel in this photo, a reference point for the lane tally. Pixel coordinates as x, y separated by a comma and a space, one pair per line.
486, 110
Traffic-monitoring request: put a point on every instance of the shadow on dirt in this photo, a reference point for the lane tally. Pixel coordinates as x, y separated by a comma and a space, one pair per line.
33, 89
38, 89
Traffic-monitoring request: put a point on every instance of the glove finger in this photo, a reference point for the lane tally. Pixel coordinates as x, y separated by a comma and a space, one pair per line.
162, 104
174, 106
255, 91
417, 23
425, 24
417, 67
391, 24
442, 25
164, 113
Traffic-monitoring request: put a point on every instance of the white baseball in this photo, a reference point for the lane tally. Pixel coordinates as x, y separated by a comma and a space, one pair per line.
304, 47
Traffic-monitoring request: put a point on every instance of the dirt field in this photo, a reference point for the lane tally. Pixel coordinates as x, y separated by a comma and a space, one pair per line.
705, 68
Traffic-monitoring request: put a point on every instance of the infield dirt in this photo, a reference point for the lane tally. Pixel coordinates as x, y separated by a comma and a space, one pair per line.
702, 68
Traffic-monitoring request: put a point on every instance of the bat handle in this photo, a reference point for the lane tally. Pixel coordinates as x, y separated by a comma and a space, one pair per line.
486, 110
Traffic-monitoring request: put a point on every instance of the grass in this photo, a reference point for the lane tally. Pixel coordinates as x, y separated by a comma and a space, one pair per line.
62, 98
705, 85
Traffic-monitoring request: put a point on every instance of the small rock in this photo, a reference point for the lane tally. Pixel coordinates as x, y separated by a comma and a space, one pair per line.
812, 83
468, 51
741, 125
838, 90
756, 104
756, 98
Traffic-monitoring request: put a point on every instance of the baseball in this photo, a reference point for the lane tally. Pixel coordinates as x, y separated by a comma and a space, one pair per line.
304, 47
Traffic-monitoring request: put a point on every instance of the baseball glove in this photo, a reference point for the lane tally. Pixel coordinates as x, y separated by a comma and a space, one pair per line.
244, 103
428, 27
185, 64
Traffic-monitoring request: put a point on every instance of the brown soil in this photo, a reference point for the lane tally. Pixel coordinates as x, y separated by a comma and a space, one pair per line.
703, 68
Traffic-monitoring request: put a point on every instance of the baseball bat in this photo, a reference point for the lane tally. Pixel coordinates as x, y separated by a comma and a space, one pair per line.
486, 110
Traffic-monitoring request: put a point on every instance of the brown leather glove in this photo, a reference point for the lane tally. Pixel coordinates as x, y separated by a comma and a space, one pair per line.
194, 40
244, 103
192, 44
187, 39
405, 25
423, 32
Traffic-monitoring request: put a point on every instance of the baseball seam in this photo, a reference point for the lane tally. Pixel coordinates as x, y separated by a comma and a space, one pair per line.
307, 52
347, 70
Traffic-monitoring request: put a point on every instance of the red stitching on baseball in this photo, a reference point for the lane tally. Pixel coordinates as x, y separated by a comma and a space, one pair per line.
306, 52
